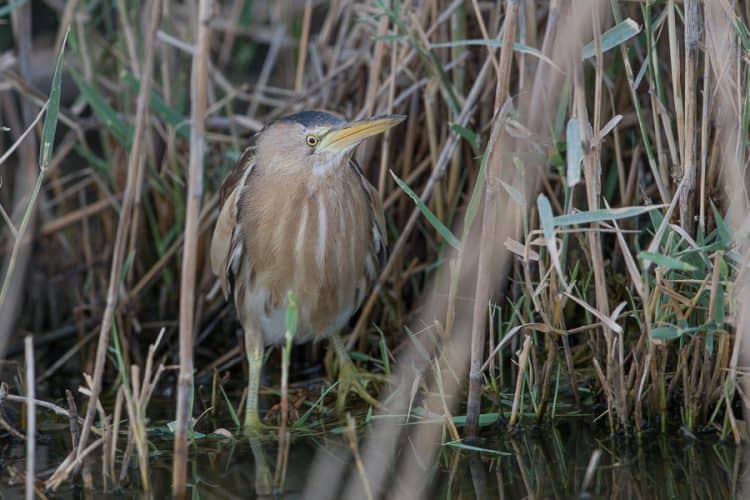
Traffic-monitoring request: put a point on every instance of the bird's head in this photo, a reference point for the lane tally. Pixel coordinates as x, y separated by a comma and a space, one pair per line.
316, 140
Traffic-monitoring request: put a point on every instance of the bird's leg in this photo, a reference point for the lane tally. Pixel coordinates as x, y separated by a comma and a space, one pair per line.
254, 352
263, 478
351, 379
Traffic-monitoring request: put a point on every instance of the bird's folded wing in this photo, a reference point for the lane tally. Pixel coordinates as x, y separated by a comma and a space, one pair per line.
377, 219
227, 242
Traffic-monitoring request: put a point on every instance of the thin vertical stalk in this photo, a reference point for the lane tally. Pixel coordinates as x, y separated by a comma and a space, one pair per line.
692, 34
10, 304
118, 255
30, 417
705, 123
299, 79
674, 59
487, 238
198, 89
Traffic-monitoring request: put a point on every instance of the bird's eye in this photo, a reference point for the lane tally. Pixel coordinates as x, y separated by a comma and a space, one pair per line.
312, 140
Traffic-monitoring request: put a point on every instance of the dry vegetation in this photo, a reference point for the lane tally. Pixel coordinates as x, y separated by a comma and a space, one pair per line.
602, 141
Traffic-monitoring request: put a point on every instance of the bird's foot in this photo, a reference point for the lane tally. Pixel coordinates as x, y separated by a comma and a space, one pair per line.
352, 379
253, 427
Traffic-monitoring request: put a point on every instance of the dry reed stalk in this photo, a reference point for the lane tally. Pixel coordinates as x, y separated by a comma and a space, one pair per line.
299, 79
15, 145
523, 360
588, 476
351, 436
75, 428
198, 97
118, 255
705, 124
30, 417
13, 282
721, 40
72, 462
689, 165
674, 59
485, 270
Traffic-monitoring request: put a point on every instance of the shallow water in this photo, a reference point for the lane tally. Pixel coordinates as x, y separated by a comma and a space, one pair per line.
539, 463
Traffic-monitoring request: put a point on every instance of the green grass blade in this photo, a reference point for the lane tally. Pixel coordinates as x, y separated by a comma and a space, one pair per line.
122, 130
666, 261
468, 447
546, 218
613, 37
7, 9
53, 111
573, 152
469, 135
441, 228
232, 412
603, 214
476, 196
665, 333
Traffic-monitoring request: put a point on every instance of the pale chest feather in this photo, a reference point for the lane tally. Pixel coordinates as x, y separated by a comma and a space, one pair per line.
318, 236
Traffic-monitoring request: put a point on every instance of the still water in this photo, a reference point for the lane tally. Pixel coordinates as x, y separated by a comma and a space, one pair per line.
550, 462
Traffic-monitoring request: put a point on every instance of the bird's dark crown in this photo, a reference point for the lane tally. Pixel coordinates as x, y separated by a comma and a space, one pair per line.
310, 119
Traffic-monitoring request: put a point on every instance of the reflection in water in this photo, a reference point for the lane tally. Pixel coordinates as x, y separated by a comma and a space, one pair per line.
542, 463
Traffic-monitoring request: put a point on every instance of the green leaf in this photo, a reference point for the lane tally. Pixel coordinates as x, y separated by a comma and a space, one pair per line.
613, 37
546, 217
121, 129
165, 112
719, 312
232, 412
602, 215
573, 152
433, 220
301, 421
476, 196
666, 261
463, 446
725, 234
518, 47
485, 419
292, 315
7, 9
514, 193
665, 333
53, 110
469, 135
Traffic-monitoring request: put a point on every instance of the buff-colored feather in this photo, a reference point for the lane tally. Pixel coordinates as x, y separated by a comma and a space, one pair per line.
285, 227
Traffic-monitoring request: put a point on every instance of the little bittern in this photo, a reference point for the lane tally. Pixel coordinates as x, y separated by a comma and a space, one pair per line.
298, 215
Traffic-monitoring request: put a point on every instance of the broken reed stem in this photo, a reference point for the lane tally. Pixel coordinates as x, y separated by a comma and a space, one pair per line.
75, 428
487, 253
198, 97
689, 165
118, 255
30, 417
523, 360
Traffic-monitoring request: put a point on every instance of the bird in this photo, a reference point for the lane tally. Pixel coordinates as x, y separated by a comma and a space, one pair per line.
299, 218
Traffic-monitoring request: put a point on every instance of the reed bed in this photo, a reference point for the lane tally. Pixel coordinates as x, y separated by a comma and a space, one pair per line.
567, 207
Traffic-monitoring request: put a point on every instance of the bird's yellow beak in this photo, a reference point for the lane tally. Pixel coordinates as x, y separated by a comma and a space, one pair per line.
350, 134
